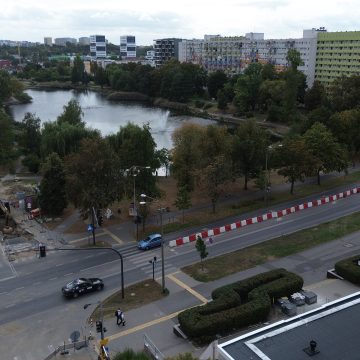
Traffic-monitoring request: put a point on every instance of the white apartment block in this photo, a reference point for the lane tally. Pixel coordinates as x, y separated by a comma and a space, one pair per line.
127, 46
233, 54
97, 46
85, 40
64, 41
48, 41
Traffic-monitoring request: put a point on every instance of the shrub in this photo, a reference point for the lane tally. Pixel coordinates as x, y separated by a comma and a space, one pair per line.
237, 305
349, 269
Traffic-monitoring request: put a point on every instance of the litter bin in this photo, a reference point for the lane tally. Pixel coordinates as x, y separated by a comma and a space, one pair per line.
42, 250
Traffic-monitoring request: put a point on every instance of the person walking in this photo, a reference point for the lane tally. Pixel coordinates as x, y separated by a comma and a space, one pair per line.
120, 318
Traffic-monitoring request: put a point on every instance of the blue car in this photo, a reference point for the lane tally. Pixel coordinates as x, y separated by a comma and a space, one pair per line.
152, 241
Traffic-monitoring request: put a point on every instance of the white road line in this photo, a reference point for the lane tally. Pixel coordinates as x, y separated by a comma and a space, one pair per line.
3, 293
95, 266
68, 274
59, 265
10, 305
54, 278
19, 288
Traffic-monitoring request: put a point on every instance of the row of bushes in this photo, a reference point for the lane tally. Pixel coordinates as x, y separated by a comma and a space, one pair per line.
238, 305
349, 269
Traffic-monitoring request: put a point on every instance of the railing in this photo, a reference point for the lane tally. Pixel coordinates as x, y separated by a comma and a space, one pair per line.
63, 348
151, 348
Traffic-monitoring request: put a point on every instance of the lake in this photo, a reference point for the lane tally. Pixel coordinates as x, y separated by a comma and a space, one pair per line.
104, 115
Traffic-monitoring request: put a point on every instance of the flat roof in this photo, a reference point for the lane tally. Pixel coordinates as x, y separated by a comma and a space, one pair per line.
334, 326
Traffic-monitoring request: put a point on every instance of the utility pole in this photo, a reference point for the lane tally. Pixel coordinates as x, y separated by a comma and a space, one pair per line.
93, 223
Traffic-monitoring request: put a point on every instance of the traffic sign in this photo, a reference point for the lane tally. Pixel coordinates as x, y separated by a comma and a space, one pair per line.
90, 227
104, 342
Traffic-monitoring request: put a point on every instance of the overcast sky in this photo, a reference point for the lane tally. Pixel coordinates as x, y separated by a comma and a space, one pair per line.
151, 19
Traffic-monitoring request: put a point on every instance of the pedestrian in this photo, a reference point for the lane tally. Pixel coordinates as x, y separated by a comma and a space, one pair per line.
120, 318
211, 240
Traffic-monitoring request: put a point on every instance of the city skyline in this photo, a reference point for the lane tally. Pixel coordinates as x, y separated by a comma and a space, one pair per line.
159, 19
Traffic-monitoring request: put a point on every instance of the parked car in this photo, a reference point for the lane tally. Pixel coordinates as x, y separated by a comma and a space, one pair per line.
152, 241
82, 286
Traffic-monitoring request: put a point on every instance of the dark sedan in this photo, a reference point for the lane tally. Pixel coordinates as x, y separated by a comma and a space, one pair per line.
82, 286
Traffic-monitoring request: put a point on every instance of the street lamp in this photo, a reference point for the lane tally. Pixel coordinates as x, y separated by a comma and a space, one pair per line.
160, 211
134, 171
267, 172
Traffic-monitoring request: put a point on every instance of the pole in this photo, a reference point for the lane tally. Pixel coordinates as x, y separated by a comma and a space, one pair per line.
153, 264
102, 320
93, 224
266, 177
135, 212
162, 252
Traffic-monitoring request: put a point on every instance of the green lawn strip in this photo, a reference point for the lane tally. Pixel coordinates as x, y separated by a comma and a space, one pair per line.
202, 218
285, 245
136, 295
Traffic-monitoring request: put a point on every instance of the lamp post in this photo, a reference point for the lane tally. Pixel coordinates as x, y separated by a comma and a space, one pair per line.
134, 171
160, 210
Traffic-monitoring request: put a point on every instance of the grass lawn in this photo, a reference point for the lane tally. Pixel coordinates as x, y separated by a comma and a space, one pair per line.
136, 295
243, 259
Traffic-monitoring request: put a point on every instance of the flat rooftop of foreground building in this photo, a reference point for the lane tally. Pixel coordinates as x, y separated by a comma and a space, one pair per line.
335, 327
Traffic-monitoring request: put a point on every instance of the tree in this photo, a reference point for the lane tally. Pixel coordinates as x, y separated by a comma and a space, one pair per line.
293, 58
315, 96
248, 150
201, 248
344, 93
52, 196
78, 70
72, 114
295, 161
6, 139
222, 100
130, 354
93, 176
215, 82
183, 200
32, 162
329, 155
164, 158
30, 138
247, 88
5, 86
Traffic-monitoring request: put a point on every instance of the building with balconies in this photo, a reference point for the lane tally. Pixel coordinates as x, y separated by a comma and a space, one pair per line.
127, 46
165, 50
97, 46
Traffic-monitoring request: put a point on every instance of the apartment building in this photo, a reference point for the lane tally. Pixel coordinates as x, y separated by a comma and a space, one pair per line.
84, 40
97, 46
234, 53
165, 50
63, 41
338, 54
48, 41
127, 46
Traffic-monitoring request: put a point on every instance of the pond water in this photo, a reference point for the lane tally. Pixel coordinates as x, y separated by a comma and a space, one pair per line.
104, 115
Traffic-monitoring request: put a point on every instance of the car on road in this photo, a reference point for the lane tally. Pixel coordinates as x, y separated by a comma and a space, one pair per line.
152, 241
82, 286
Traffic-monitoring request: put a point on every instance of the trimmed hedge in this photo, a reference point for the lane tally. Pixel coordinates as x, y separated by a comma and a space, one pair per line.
237, 305
349, 269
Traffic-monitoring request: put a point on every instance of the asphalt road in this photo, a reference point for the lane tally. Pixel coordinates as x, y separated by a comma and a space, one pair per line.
36, 289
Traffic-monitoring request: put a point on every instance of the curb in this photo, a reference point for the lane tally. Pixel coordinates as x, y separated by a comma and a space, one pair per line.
264, 217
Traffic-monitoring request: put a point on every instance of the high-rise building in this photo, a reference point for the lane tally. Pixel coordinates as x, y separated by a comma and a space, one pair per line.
165, 50
64, 41
127, 46
97, 46
85, 40
338, 54
48, 41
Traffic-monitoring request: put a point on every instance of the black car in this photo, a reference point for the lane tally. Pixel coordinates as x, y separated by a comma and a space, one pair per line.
81, 286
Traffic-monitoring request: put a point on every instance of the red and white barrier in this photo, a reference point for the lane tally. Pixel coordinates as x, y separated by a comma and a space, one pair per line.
268, 216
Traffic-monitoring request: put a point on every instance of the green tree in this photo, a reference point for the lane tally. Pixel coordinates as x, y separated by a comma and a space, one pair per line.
295, 161
201, 248
215, 82
5, 86
221, 100
72, 114
30, 137
293, 58
344, 93
32, 162
164, 157
52, 196
248, 152
183, 200
130, 354
6, 139
78, 70
93, 176
247, 88
329, 155
315, 96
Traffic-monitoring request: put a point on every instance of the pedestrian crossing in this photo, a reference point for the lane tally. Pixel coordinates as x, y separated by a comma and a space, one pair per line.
143, 260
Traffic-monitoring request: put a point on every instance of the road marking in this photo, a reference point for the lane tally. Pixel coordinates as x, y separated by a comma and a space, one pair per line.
113, 236
37, 283
187, 288
54, 278
3, 293
95, 266
85, 238
19, 288
68, 274
59, 265
144, 326
10, 305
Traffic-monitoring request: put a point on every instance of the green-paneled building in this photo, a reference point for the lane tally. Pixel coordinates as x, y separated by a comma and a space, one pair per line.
338, 54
